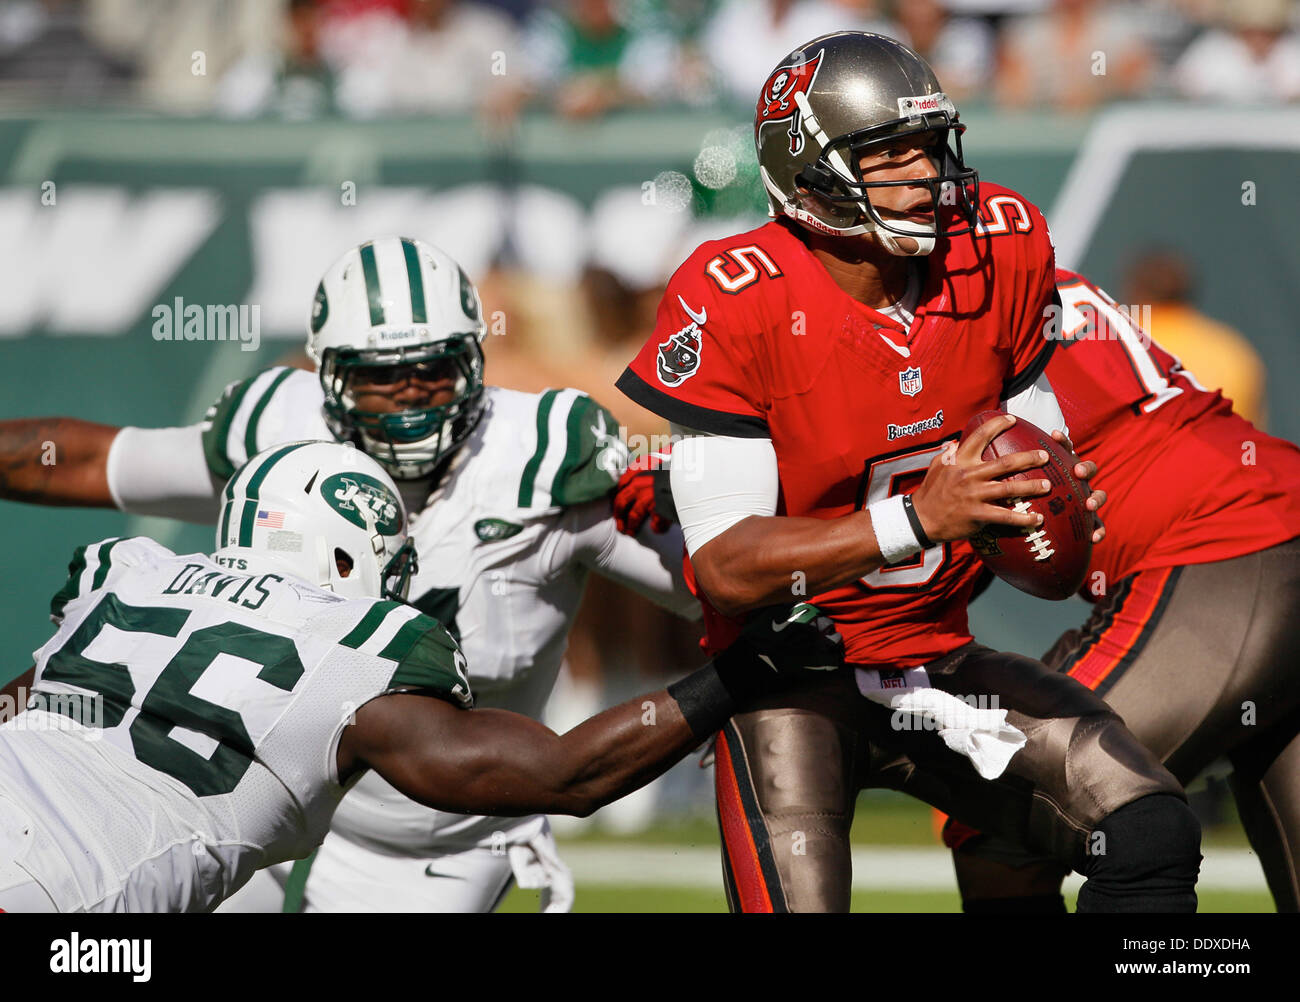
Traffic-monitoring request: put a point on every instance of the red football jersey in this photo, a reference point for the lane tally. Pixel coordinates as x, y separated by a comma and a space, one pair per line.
755, 339
1187, 480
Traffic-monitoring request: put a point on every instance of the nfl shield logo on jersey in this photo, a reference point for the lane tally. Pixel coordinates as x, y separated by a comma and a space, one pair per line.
909, 381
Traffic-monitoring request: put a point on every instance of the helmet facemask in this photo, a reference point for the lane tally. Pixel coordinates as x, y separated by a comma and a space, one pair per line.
836, 180
411, 442
397, 574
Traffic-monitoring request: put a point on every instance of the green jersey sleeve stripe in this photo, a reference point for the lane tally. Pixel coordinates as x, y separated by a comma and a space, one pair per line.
373, 295
407, 637
573, 451
72, 587
416, 281
543, 440
215, 437
101, 572
369, 624
431, 662
250, 433
251, 488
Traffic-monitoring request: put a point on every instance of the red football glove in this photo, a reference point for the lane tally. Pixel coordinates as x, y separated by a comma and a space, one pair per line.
641, 494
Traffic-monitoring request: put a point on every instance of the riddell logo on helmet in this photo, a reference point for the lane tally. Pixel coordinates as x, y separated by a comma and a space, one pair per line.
920, 104
776, 102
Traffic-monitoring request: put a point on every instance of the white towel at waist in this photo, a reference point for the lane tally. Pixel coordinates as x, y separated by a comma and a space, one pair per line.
979, 732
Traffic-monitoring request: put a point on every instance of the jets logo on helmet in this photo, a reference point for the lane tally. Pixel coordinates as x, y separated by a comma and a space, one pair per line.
320, 511
388, 312
361, 499
777, 104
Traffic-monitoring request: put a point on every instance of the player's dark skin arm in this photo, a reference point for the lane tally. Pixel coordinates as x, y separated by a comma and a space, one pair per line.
56, 461
496, 762
9, 695
750, 565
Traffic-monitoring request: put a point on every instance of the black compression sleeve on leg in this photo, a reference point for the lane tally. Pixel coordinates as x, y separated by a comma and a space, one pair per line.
1148, 860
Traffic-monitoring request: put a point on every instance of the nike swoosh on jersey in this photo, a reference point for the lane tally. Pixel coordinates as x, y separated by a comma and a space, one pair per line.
429, 872
699, 317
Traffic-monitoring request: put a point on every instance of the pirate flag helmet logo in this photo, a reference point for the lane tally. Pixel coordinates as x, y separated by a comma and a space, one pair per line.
777, 101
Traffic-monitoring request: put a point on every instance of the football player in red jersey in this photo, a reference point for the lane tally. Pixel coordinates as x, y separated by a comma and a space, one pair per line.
1194, 636
820, 369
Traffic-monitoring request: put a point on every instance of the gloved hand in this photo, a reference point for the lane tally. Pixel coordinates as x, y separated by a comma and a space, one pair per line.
788, 640
537, 864
643, 492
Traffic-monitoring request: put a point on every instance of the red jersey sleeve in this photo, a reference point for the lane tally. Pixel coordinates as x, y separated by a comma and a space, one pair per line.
702, 367
1033, 288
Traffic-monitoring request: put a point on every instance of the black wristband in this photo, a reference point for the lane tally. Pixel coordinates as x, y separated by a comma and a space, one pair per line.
709, 696
914, 520
704, 701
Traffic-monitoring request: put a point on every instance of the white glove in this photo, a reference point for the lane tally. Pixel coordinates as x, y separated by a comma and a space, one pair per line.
536, 863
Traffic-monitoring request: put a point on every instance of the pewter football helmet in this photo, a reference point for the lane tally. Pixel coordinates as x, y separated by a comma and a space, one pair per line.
820, 110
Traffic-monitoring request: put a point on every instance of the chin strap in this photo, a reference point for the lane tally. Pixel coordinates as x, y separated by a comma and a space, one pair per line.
924, 240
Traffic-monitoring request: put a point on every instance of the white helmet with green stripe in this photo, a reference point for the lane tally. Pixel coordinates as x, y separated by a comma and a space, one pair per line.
389, 311
321, 511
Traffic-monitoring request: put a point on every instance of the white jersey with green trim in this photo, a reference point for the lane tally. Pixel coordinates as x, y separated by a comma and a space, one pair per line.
185, 723
505, 543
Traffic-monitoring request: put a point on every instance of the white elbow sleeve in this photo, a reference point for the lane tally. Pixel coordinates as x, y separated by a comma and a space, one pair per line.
1038, 404
719, 481
162, 471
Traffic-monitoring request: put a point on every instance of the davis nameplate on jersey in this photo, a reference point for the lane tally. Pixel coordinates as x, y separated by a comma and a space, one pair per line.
909, 381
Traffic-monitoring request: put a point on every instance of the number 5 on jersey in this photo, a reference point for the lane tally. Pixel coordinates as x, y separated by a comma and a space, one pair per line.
884, 478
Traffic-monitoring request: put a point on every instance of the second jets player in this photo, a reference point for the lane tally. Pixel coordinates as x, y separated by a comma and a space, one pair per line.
509, 499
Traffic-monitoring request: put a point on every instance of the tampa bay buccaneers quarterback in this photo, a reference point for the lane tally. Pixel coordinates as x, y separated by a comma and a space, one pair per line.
819, 370
1193, 636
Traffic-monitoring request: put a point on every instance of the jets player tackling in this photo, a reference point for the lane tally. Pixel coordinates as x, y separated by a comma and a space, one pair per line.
508, 494
239, 696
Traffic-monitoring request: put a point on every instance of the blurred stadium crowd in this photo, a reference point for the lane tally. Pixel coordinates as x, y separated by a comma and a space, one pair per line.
581, 58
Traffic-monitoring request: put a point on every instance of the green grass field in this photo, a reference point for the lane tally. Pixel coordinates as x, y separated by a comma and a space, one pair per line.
884, 820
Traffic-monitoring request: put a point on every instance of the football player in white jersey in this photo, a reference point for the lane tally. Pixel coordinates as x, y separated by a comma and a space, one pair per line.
196, 718
509, 495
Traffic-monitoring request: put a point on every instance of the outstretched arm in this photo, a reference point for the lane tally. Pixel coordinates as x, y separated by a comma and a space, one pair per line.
496, 762
56, 461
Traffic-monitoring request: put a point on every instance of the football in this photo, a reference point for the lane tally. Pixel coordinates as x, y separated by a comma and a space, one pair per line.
1050, 561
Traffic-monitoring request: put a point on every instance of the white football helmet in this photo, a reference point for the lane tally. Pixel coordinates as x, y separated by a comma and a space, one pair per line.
393, 309
321, 511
